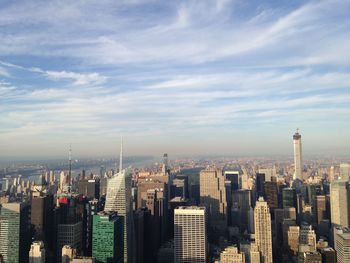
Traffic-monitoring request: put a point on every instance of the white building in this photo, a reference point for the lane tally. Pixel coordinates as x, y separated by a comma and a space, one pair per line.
298, 163
190, 234
342, 244
118, 199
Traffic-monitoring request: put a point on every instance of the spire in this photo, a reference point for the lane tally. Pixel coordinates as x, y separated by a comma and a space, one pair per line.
121, 154
70, 160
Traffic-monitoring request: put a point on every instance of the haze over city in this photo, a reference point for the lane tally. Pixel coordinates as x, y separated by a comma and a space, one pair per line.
183, 77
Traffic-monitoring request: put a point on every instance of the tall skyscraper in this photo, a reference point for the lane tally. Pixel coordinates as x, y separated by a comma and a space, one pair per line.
340, 200
37, 252
263, 233
342, 244
14, 232
190, 234
118, 199
107, 237
213, 196
298, 162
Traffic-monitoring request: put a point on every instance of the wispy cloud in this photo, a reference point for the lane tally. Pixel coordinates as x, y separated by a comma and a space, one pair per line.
89, 70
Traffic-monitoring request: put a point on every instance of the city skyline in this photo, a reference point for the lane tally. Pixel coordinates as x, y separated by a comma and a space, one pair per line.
196, 77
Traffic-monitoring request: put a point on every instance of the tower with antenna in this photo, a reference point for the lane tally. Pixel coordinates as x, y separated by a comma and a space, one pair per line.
121, 155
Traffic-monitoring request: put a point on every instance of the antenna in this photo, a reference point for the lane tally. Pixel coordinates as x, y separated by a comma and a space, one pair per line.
121, 155
70, 160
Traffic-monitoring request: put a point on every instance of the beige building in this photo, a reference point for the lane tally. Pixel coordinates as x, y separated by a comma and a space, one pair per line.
231, 255
307, 239
263, 234
213, 196
37, 252
190, 234
339, 201
293, 238
254, 253
68, 253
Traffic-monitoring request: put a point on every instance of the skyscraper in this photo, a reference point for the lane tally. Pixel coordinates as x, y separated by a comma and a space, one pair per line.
213, 196
107, 237
298, 163
342, 244
263, 234
14, 232
190, 234
118, 199
339, 192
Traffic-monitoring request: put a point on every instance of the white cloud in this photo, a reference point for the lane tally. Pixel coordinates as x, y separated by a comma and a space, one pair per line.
77, 78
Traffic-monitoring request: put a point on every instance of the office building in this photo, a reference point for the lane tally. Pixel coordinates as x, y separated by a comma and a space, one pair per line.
89, 188
271, 195
107, 237
69, 234
293, 239
289, 197
263, 233
14, 232
231, 255
37, 252
307, 239
344, 171
339, 196
322, 208
118, 199
190, 234
298, 162
342, 244
259, 185
213, 196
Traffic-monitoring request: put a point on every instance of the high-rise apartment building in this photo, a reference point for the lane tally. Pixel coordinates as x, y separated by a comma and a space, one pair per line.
37, 252
298, 162
190, 234
213, 196
340, 201
263, 233
107, 237
118, 199
14, 232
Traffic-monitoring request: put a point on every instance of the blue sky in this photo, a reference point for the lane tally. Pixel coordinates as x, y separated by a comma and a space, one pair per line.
184, 77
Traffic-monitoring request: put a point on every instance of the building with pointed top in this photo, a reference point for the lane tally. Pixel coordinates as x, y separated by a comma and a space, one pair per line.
118, 199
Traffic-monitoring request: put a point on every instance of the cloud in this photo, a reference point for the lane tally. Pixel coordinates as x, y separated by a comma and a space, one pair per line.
171, 69
77, 78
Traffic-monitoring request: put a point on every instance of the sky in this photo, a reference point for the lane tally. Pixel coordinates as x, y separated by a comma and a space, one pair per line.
184, 77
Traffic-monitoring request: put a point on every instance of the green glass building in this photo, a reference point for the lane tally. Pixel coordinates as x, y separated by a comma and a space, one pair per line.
107, 237
14, 232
